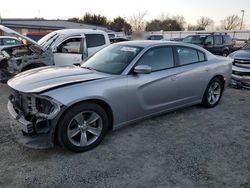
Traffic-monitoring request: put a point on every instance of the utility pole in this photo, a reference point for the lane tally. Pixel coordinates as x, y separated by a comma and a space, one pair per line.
242, 18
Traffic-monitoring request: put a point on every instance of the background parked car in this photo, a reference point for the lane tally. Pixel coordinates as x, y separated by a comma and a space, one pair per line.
59, 48
6, 41
216, 43
36, 36
241, 67
118, 39
120, 84
155, 37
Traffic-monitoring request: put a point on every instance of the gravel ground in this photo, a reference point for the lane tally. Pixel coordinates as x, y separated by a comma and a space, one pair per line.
192, 147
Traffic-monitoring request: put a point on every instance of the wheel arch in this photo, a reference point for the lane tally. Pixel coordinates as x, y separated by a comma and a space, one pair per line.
221, 77
99, 102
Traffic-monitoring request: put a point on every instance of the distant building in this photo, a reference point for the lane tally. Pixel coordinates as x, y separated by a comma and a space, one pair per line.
42, 25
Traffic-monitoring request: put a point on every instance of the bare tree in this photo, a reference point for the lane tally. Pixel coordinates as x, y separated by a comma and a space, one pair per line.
137, 21
180, 20
204, 22
230, 22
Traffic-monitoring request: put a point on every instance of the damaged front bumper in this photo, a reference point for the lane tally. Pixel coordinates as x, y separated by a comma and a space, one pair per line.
37, 134
240, 81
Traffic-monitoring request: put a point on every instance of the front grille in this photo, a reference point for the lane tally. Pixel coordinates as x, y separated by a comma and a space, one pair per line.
241, 73
242, 63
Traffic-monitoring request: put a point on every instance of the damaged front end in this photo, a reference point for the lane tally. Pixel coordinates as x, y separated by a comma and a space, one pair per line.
34, 118
16, 59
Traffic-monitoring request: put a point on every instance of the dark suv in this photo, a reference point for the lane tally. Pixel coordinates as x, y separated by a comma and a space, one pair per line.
216, 43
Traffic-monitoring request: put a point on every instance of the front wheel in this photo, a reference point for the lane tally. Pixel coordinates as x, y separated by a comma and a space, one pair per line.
82, 127
213, 93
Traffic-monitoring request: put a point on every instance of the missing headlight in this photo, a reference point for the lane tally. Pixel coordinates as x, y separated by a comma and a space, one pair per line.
43, 107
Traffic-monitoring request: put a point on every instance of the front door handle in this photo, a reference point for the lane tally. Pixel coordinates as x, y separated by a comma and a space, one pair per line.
174, 78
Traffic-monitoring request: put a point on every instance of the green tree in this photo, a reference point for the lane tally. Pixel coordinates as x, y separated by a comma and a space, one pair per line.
95, 19
119, 24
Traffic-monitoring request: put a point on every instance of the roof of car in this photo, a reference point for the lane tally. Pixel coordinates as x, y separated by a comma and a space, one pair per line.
79, 31
150, 43
8, 37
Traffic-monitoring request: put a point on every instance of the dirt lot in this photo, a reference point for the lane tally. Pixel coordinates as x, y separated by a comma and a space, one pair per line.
193, 147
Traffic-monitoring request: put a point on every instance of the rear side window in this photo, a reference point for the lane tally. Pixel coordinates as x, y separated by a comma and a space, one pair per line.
202, 56
227, 39
187, 55
217, 40
94, 40
158, 58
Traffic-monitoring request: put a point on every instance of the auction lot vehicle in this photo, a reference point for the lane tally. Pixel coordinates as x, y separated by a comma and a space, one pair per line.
119, 85
155, 37
216, 43
241, 67
59, 48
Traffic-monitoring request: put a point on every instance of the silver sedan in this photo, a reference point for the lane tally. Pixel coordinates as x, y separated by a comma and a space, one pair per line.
123, 83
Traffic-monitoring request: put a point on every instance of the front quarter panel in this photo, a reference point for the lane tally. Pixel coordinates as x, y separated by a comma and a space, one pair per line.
110, 90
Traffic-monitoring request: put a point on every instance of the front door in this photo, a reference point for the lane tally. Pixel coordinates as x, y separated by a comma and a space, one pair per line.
69, 52
170, 84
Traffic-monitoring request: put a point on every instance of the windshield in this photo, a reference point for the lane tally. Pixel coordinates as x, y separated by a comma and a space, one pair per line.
48, 40
195, 39
246, 47
112, 59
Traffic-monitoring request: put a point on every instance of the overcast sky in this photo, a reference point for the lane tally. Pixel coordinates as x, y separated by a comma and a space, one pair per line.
61, 9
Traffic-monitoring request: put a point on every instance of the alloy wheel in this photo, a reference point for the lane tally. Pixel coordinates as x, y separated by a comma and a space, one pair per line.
214, 93
85, 128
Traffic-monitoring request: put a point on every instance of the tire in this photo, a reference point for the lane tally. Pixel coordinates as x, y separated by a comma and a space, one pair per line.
225, 53
82, 127
213, 93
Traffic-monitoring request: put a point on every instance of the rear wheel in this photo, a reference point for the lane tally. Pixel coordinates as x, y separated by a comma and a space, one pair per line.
213, 93
83, 127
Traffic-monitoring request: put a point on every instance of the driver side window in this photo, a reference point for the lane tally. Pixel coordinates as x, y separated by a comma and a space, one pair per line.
158, 58
71, 46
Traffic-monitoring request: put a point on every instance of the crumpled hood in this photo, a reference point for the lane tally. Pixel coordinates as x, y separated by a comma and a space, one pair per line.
45, 78
240, 54
12, 32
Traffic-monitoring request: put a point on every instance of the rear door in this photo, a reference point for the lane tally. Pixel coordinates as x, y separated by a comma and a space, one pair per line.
218, 44
95, 42
69, 52
209, 43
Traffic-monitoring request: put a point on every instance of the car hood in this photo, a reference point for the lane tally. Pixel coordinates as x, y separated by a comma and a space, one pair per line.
240, 54
46, 78
12, 32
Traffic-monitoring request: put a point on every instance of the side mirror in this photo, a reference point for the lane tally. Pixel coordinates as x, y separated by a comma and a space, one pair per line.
142, 69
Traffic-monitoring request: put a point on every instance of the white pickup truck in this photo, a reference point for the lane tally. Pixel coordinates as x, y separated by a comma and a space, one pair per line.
59, 48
